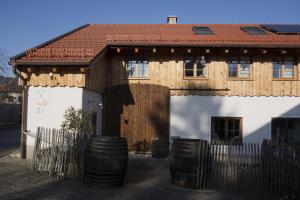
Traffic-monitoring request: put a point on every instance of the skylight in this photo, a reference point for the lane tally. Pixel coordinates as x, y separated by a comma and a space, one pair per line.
202, 30
253, 30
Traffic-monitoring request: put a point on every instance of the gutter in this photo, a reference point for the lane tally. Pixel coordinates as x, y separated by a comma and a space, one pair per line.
24, 107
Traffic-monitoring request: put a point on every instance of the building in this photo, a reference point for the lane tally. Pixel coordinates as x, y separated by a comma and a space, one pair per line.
10, 101
237, 82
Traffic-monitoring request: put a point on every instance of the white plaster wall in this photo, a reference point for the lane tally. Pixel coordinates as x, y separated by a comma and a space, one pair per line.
46, 107
190, 116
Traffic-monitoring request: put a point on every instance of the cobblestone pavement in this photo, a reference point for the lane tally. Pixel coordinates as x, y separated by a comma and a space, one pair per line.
147, 178
9, 139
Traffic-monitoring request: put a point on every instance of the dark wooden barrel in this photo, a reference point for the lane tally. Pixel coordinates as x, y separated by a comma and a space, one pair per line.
189, 163
160, 148
105, 161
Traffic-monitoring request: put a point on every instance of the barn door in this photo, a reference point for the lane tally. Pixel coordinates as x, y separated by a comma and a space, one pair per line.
139, 112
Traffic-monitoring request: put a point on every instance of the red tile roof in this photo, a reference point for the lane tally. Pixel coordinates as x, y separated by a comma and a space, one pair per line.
83, 44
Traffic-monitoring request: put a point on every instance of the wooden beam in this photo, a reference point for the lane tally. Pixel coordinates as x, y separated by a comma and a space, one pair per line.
29, 69
54, 69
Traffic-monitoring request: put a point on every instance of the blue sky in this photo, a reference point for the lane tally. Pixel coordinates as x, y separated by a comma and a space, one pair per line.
25, 24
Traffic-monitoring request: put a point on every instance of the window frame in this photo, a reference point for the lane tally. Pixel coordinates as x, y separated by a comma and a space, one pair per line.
195, 59
249, 30
226, 118
202, 30
285, 128
239, 59
282, 61
139, 62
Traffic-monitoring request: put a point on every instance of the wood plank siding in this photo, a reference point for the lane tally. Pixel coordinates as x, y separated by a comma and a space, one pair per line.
139, 112
166, 69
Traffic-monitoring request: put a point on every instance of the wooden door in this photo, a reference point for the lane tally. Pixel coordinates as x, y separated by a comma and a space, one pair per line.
139, 112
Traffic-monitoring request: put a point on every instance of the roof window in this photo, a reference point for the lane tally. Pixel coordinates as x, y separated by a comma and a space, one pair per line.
202, 30
253, 30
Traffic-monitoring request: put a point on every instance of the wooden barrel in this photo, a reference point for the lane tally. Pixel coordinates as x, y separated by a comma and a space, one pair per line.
105, 161
160, 148
189, 163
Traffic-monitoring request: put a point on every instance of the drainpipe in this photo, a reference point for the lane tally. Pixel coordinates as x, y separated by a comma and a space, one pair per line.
24, 110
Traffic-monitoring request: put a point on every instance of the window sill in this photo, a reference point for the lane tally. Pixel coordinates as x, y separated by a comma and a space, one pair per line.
195, 78
284, 79
240, 79
137, 78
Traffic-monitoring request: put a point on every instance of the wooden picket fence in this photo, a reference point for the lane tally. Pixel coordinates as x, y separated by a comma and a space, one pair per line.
252, 167
59, 153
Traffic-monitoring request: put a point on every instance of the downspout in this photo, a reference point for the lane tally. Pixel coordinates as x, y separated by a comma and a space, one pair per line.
24, 109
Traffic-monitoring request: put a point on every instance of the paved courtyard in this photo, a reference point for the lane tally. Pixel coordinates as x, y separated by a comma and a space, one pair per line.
9, 139
147, 178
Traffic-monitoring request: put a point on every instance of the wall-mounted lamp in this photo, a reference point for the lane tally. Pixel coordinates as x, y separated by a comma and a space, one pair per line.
283, 51
51, 75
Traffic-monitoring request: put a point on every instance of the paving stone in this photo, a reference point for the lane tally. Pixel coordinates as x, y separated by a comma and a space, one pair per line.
147, 178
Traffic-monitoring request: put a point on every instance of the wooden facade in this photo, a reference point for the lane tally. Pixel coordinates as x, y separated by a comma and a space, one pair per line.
139, 112
167, 69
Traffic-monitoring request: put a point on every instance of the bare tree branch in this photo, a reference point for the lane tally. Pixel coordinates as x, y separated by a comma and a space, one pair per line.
5, 70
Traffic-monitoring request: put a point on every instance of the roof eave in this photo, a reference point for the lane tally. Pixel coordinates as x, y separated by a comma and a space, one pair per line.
57, 63
14, 58
206, 45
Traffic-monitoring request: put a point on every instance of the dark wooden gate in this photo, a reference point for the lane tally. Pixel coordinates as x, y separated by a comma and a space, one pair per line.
139, 112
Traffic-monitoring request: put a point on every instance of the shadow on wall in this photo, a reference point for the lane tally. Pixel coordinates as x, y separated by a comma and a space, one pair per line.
265, 130
189, 118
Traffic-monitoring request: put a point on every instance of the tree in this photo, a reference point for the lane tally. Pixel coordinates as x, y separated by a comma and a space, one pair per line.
5, 70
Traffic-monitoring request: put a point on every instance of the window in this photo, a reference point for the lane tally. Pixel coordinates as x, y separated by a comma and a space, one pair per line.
202, 30
253, 30
195, 67
226, 129
137, 68
239, 68
283, 68
286, 130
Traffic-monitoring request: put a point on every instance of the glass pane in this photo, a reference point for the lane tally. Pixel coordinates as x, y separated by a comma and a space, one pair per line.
245, 68
233, 69
277, 70
219, 131
188, 64
230, 124
201, 73
188, 67
237, 125
288, 70
201, 66
131, 68
143, 69
189, 73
